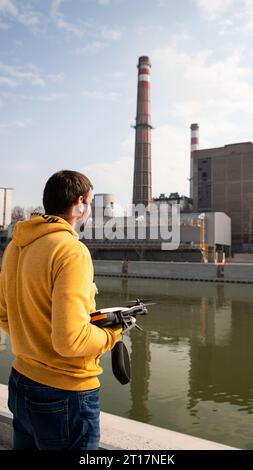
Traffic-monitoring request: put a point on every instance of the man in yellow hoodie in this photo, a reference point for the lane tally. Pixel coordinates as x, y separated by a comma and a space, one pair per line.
47, 293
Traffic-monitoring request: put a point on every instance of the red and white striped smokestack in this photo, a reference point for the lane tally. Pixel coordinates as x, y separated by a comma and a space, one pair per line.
194, 137
142, 187
194, 146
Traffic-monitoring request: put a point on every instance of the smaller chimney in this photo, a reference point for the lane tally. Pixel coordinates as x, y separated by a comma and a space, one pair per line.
194, 146
194, 137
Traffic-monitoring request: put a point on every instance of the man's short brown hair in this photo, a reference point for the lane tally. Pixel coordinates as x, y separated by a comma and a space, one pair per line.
62, 189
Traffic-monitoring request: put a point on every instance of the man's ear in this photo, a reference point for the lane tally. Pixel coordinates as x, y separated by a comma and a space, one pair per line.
78, 207
79, 200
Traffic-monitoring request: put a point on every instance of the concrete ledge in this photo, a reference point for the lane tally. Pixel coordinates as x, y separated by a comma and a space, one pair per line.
120, 433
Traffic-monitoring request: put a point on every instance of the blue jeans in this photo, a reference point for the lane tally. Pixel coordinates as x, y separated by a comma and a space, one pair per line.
47, 418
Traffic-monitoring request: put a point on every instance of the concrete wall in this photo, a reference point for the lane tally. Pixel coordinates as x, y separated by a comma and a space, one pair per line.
185, 271
156, 269
239, 272
172, 270
107, 267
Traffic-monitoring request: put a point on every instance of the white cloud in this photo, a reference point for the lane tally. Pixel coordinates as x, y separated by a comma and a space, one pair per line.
111, 34
102, 95
52, 97
22, 12
245, 17
170, 159
218, 94
231, 16
23, 73
7, 81
70, 27
56, 77
9, 7
170, 165
21, 124
16, 75
83, 30
213, 8
15, 97
55, 6
114, 177
62, 23
198, 77
29, 18
144, 29
90, 49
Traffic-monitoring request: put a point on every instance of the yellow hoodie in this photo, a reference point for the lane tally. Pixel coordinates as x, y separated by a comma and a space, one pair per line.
46, 295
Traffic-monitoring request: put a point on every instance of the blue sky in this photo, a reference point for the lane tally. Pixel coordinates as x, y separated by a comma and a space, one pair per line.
68, 82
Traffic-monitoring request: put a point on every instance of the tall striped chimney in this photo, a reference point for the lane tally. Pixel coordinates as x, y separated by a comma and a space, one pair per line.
142, 187
194, 146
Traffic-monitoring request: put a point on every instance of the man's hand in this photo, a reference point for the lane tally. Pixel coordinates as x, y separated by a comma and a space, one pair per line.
129, 324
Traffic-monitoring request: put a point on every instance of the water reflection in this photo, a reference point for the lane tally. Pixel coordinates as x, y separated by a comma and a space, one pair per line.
140, 375
221, 369
124, 289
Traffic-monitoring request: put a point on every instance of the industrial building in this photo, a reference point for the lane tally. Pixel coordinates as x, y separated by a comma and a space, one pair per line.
185, 203
5, 215
222, 181
5, 207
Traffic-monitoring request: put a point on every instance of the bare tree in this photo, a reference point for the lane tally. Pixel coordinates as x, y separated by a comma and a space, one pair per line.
17, 214
34, 210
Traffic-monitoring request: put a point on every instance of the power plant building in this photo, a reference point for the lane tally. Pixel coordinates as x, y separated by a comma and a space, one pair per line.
222, 181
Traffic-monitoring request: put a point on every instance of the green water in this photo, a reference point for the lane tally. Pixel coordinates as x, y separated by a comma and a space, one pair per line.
192, 364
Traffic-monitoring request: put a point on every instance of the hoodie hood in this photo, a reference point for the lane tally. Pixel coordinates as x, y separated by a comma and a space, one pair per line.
37, 226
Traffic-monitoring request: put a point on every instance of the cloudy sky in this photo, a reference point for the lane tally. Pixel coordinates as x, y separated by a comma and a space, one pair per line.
68, 87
